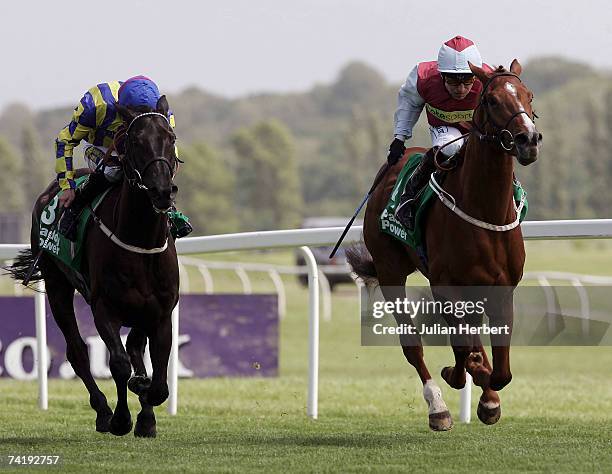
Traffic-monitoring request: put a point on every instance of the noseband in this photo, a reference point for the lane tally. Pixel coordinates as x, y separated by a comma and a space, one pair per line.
501, 134
136, 180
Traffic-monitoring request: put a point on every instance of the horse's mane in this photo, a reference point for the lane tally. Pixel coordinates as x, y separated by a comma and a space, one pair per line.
499, 69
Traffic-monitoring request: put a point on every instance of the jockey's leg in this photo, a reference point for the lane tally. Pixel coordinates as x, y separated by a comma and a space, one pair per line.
406, 210
440, 136
96, 184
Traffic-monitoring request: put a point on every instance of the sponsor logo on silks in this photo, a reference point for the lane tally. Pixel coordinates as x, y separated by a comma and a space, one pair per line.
451, 117
390, 225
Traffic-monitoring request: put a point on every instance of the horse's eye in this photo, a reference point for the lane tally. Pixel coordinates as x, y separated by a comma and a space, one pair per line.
492, 101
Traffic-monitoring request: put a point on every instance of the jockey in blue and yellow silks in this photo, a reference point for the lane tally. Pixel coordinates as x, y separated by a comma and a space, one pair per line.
95, 121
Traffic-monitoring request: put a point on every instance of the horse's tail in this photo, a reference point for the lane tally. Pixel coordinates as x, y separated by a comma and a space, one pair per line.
21, 265
361, 262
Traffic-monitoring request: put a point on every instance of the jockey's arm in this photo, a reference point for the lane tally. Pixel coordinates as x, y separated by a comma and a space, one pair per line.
409, 107
82, 124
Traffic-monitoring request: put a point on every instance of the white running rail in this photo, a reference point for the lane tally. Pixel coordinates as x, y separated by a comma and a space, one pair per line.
561, 229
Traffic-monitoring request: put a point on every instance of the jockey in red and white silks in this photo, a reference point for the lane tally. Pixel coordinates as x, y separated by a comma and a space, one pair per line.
446, 104
449, 92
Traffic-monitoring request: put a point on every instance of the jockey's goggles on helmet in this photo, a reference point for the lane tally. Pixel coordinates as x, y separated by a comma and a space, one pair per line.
457, 79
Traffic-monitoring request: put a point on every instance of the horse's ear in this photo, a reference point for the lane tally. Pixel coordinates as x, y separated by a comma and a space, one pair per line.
480, 73
516, 67
126, 114
162, 106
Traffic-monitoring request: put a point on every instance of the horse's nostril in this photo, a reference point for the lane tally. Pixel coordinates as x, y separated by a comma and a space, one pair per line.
521, 139
539, 137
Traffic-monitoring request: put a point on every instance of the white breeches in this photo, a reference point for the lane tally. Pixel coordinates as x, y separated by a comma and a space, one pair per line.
442, 135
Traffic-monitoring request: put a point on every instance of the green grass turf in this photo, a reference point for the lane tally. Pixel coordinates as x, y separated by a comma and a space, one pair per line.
556, 412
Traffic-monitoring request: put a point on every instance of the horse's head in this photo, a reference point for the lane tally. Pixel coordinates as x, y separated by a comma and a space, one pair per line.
150, 160
505, 114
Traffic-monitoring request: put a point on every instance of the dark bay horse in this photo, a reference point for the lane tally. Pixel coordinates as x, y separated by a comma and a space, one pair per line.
477, 248
133, 274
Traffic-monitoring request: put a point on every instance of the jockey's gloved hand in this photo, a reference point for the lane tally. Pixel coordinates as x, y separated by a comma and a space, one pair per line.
396, 151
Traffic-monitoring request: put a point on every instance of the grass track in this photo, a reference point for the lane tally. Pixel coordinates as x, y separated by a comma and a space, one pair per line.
556, 412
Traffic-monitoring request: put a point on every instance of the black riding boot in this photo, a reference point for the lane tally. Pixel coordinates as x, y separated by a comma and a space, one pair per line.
95, 184
406, 210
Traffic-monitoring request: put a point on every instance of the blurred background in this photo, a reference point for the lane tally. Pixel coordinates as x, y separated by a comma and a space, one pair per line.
284, 111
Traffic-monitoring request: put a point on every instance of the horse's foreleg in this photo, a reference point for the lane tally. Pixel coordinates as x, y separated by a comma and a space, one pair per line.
500, 313
139, 383
160, 340
61, 294
135, 347
392, 286
455, 376
119, 363
489, 406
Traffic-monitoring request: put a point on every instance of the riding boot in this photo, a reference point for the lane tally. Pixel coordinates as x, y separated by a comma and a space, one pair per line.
96, 184
179, 224
407, 208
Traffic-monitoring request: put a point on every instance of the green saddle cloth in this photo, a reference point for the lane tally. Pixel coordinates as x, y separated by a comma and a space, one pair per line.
70, 253
390, 225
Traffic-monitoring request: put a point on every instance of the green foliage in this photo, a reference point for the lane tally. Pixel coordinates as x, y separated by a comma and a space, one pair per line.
335, 139
268, 188
11, 178
39, 167
206, 190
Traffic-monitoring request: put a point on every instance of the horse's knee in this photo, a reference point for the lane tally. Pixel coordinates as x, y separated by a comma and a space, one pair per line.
120, 367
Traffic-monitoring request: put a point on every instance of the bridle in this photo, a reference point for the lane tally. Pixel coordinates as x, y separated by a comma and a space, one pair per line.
501, 134
133, 176
123, 144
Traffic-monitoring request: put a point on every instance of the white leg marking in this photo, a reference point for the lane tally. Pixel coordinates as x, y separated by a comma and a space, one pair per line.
490, 405
433, 397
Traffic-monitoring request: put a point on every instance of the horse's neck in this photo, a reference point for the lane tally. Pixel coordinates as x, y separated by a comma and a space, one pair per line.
137, 222
485, 180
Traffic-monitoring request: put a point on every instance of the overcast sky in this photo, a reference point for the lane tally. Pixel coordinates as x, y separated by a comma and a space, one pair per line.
52, 51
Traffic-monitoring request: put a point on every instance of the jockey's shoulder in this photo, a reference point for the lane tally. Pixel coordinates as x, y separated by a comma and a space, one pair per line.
104, 93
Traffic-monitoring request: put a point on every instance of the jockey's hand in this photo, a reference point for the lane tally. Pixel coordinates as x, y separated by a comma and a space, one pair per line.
66, 198
396, 151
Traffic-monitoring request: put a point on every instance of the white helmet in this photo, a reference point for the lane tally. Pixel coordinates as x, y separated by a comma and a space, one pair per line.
454, 55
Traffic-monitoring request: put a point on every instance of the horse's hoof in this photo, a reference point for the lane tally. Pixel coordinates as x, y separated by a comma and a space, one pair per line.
138, 384
103, 422
489, 416
145, 426
440, 421
120, 427
447, 375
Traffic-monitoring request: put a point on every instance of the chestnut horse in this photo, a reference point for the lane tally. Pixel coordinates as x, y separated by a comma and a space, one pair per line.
486, 252
133, 274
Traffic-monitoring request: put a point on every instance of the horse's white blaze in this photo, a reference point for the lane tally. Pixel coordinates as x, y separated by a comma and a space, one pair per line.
524, 117
433, 397
490, 405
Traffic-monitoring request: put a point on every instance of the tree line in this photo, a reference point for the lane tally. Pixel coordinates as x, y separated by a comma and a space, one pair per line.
267, 161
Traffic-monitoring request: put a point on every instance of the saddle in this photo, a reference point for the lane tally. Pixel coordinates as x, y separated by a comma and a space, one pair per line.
426, 196
55, 244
